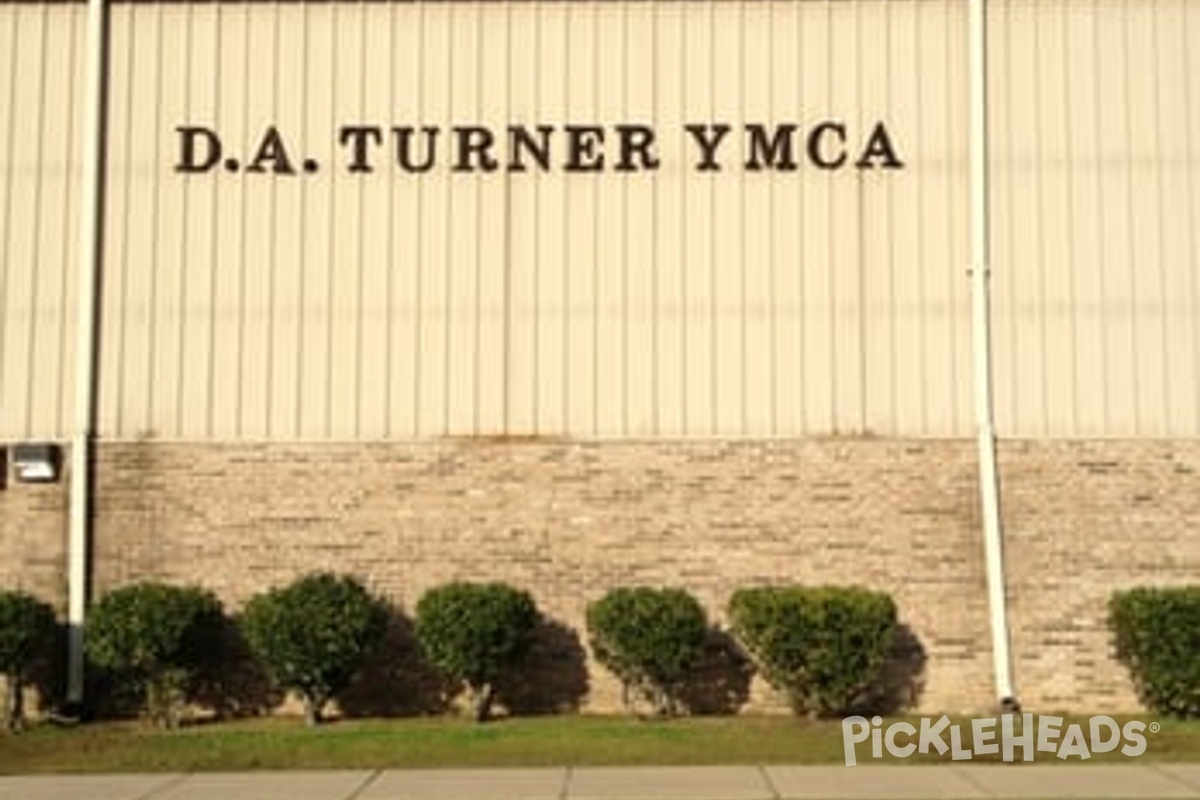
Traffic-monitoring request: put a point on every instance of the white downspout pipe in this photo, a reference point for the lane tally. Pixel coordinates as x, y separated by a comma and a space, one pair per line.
981, 323
90, 222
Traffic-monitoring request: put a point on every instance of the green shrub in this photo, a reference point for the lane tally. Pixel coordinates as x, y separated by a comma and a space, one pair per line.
159, 636
27, 629
650, 639
824, 647
1158, 637
475, 632
314, 634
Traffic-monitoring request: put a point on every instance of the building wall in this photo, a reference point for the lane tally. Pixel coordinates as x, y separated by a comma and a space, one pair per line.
33, 538
1093, 218
568, 520
1082, 520
565, 520
41, 83
570, 380
352, 306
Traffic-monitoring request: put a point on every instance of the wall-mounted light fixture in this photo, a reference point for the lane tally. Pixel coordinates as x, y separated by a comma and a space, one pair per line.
37, 463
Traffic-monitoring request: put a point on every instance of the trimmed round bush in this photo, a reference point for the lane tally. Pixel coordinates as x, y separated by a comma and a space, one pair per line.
314, 634
650, 639
27, 630
824, 647
1158, 637
159, 636
475, 633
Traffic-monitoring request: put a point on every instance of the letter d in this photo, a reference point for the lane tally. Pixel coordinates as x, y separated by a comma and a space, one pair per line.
188, 158
851, 737
1100, 724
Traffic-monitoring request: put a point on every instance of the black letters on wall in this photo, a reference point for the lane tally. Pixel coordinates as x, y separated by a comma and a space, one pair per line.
628, 148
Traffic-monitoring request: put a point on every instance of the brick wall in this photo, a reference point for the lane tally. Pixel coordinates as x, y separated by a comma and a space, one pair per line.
1084, 519
567, 520
33, 537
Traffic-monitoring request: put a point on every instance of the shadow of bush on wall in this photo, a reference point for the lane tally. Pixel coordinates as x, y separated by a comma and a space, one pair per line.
233, 683
552, 678
47, 675
396, 681
902, 679
720, 682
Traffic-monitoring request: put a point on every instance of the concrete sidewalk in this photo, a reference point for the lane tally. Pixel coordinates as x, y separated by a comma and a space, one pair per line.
631, 783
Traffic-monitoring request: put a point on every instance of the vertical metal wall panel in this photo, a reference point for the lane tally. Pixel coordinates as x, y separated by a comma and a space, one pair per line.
41, 64
667, 346
1094, 270
781, 209
317, 268
344, 264
815, 307
552, 348
22, 212
331, 304
373, 341
112, 288
165, 264
407, 238
758, 412
133, 237
850, 358
10, 403
56, 199
520, 318
286, 200
197, 315
1175, 33
641, 273
728, 268
697, 252
496, 259
258, 246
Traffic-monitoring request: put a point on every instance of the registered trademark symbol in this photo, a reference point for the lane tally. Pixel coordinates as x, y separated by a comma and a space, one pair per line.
1155, 727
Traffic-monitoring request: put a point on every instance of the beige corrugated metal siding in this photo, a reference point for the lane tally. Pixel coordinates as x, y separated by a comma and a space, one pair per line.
345, 305
1097, 282
41, 55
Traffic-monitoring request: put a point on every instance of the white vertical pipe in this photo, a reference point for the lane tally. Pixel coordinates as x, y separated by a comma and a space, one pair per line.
981, 324
85, 348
